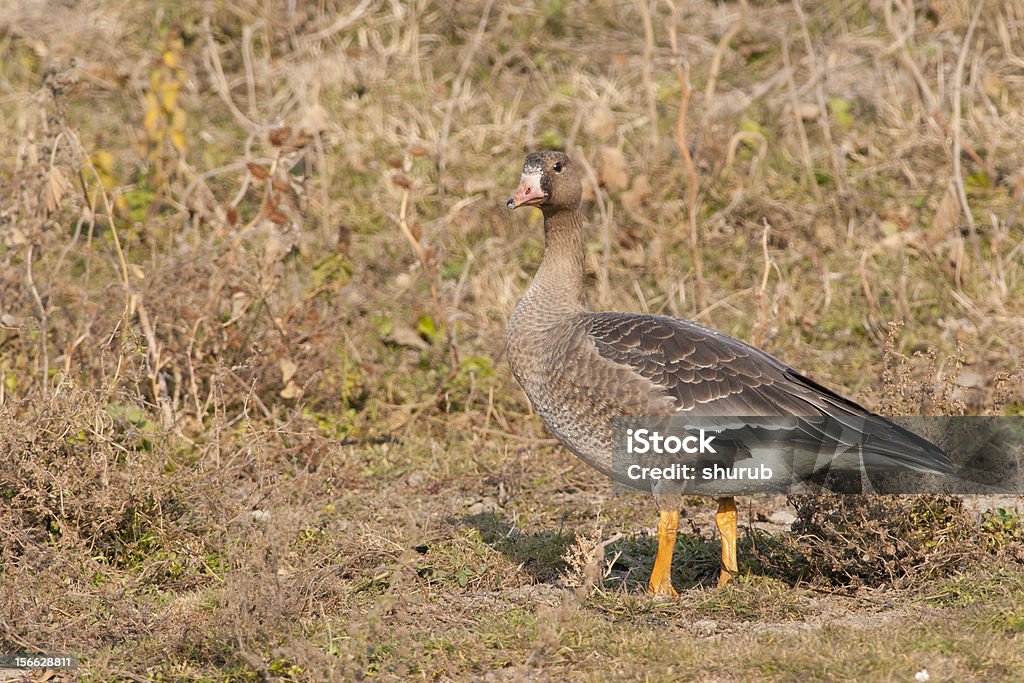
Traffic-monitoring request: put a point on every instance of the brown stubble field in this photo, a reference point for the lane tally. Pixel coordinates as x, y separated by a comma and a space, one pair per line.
255, 419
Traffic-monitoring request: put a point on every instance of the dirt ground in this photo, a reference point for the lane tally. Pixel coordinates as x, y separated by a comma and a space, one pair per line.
255, 265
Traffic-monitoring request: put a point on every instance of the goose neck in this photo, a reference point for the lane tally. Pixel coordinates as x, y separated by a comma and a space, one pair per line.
560, 276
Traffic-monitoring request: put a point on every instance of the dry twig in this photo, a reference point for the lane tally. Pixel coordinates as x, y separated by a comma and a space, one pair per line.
648, 56
819, 77
716, 59
467, 61
794, 105
958, 175
689, 167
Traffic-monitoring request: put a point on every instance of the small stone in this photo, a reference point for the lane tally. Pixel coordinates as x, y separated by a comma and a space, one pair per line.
704, 628
971, 379
782, 518
483, 505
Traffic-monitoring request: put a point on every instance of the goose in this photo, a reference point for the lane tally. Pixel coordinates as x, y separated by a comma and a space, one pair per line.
581, 370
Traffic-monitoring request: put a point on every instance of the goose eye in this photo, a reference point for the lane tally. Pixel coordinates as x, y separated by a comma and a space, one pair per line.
558, 167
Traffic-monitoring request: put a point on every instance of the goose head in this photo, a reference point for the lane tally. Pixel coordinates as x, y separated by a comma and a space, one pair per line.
549, 182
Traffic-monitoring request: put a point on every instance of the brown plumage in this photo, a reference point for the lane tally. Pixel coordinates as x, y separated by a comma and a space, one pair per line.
582, 369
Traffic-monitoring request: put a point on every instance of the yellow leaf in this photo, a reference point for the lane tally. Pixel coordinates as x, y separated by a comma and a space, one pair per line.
170, 59
104, 161
178, 120
169, 96
150, 121
178, 140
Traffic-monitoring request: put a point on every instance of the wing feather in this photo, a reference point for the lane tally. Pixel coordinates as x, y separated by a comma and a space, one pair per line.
707, 373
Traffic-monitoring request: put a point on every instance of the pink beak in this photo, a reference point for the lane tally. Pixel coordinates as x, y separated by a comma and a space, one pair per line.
528, 193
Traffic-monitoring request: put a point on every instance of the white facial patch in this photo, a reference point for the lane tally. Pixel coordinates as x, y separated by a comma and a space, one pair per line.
532, 177
532, 169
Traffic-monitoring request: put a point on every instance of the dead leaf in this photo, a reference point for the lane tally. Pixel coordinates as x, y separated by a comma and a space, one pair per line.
946, 218
403, 335
633, 257
58, 187
600, 123
292, 390
900, 241
635, 196
278, 218
589, 194
239, 304
282, 186
808, 112
611, 169
288, 369
258, 171
279, 136
272, 213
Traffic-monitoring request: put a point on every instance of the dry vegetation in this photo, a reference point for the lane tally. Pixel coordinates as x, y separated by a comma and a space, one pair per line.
255, 423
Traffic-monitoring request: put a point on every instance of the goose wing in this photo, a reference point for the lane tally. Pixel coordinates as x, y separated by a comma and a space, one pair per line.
709, 374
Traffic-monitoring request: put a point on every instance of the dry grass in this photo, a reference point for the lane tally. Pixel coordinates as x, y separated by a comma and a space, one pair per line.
255, 422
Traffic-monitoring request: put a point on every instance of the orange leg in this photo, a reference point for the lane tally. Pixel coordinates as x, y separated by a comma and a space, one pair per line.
725, 520
661, 576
